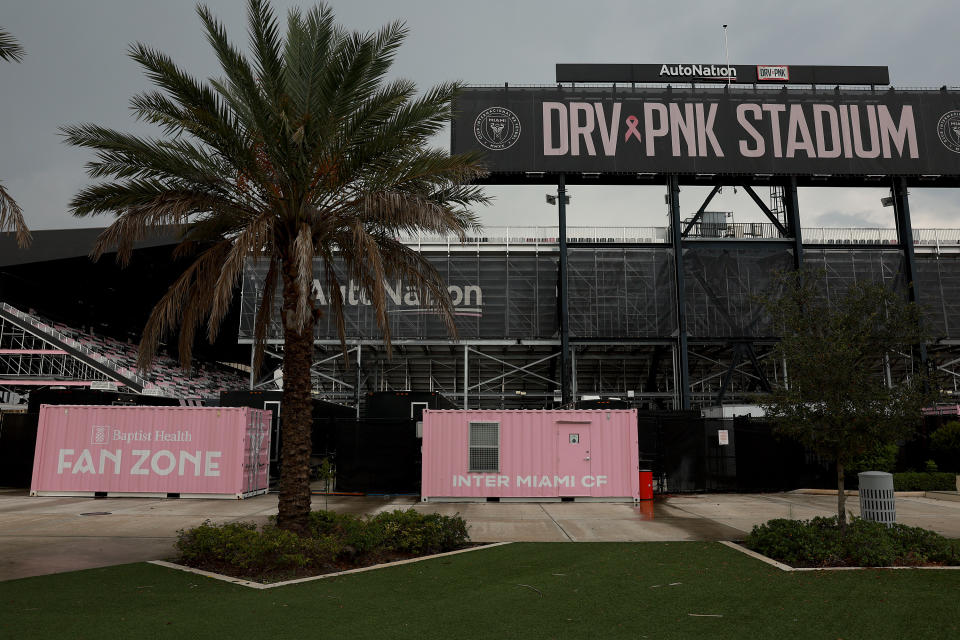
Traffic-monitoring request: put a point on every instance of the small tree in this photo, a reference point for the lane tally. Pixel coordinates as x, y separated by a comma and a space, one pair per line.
836, 400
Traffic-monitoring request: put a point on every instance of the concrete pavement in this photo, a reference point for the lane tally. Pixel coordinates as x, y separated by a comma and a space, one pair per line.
50, 535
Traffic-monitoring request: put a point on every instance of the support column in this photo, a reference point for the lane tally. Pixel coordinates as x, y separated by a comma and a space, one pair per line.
253, 350
466, 374
573, 373
356, 390
565, 363
901, 208
683, 387
792, 204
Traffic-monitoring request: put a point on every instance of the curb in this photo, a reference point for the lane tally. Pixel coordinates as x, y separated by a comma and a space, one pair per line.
260, 585
854, 493
947, 496
786, 567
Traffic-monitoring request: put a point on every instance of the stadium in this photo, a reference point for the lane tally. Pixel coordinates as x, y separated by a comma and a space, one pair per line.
664, 319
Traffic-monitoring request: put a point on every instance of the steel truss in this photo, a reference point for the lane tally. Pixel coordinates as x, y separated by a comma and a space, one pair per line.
700, 343
28, 360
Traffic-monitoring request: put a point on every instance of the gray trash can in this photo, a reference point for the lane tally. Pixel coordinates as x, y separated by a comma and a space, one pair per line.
876, 497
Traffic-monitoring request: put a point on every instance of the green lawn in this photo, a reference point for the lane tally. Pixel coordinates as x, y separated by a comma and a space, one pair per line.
599, 590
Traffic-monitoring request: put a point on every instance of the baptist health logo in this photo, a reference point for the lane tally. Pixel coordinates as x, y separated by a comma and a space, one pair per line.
99, 435
497, 128
948, 130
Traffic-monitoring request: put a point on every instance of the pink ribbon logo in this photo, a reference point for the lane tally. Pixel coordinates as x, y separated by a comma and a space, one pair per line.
632, 122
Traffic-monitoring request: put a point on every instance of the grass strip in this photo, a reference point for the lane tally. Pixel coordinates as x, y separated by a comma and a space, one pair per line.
527, 590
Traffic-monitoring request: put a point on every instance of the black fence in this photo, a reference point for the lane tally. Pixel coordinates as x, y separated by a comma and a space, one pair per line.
40, 397
377, 455
383, 455
18, 440
685, 453
683, 449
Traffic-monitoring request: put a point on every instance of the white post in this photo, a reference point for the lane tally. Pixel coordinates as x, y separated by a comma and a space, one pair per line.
726, 49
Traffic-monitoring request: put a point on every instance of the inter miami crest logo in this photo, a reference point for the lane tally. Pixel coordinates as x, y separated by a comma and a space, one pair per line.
497, 128
948, 128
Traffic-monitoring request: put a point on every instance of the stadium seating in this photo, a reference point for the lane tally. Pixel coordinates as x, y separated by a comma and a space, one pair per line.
205, 380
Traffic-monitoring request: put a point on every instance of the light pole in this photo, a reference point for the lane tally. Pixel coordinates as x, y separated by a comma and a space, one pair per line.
562, 200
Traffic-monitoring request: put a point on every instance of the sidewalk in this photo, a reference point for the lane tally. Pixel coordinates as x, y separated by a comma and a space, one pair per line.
50, 535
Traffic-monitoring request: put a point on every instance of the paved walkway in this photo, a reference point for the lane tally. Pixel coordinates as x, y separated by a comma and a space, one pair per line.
50, 535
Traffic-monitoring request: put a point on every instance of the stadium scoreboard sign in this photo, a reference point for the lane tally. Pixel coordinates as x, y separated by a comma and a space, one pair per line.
740, 73
714, 130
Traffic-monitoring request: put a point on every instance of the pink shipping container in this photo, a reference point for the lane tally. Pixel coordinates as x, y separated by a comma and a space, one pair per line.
531, 455
203, 452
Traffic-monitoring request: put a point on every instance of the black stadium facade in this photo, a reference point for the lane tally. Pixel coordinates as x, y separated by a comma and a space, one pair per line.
659, 318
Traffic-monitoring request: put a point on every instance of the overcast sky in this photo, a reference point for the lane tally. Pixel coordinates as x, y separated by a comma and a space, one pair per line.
76, 70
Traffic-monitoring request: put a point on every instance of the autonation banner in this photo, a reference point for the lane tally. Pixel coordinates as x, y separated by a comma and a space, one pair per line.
626, 292
711, 130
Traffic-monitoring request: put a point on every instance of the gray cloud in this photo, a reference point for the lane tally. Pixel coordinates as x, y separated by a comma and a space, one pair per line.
76, 70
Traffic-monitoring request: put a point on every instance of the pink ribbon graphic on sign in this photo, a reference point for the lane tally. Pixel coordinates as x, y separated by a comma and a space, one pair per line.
632, 122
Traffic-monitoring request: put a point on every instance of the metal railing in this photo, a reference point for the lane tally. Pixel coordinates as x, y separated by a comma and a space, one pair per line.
849, 235
548, 235
544, 235
739, 230
77, 346
936, 237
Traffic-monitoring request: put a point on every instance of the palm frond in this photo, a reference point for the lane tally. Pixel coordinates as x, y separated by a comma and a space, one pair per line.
268, 50
11, 219
241, 90
264, 313
10, 49
308, 46
245, 244
183, 305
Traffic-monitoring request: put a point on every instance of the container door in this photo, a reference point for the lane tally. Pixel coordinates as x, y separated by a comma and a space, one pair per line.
573, 458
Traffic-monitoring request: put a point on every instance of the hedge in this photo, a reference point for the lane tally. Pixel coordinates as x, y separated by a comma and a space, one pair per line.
924, 481
820, 543
334, 541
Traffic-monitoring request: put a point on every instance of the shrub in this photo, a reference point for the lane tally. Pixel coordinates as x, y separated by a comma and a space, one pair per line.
868, 544
920, 545
945, 446
819, 543
420, 533
358, 537
333, 537
915, 481
240, 545
797, 542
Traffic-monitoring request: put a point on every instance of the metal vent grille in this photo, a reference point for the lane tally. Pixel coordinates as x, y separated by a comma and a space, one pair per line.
484, 446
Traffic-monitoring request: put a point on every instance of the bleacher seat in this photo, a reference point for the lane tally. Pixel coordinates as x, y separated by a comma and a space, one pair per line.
206, 380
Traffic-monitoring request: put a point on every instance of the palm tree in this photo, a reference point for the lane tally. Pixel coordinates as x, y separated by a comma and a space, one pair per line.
303, 152
11, 215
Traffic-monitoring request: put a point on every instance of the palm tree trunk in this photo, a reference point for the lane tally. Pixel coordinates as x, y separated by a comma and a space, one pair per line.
297, 406
841, 499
